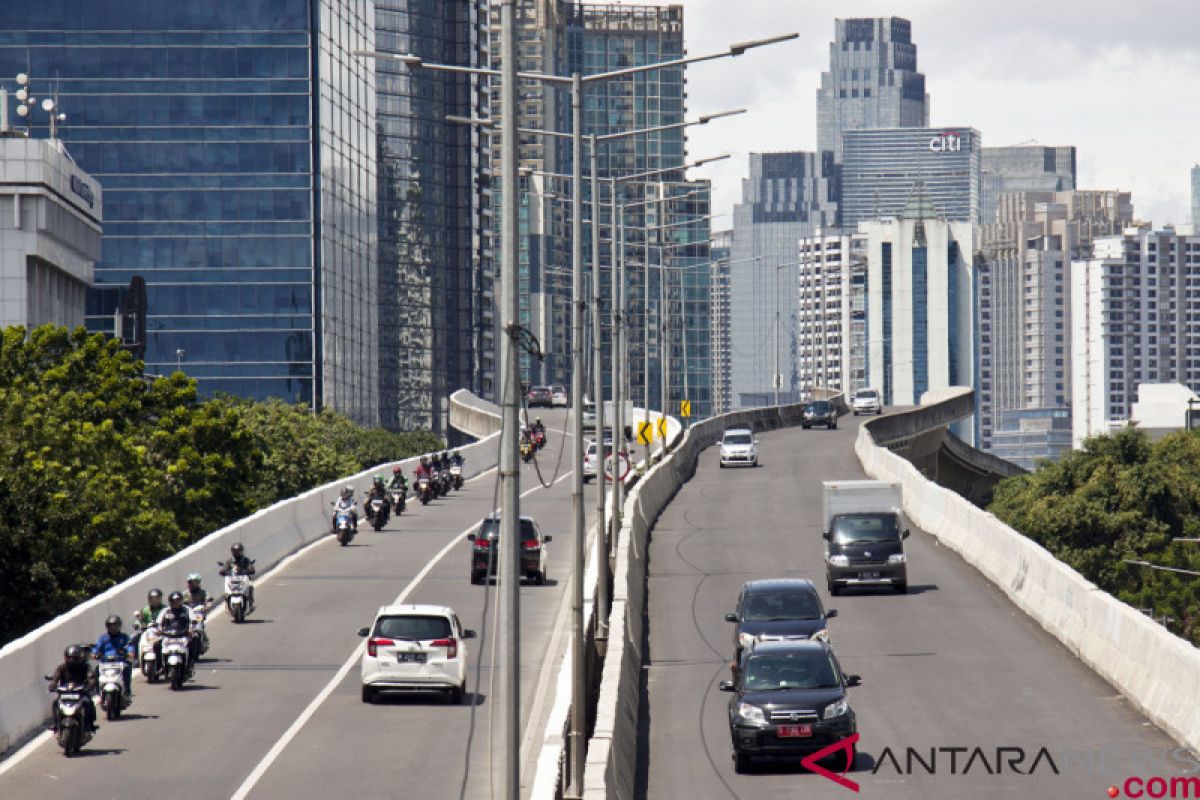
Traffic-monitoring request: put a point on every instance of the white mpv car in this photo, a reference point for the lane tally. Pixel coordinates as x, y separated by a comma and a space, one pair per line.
738, 446
415, 649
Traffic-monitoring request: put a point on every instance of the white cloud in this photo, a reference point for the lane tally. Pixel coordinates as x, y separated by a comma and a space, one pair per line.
1116, 79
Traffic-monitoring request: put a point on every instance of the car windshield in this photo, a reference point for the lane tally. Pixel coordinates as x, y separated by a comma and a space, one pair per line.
738, 438
819, 407
867, 394
415, 628
781, 605
767, 672
491, 529
865, 528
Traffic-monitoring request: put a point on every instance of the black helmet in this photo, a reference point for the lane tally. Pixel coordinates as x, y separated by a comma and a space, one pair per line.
458, 452
113, 619
154, 594
237, 549
176, 597
73, 653
445, 454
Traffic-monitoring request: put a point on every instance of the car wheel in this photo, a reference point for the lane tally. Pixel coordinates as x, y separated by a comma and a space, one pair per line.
833, 425
722, 464
834, 589
856, 413
901, 587
455, 695
802, 425
368, 695
476, 578
741, 763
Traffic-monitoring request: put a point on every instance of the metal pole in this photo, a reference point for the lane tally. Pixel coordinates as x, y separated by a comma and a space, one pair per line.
578, 667
683, 333
621, 372
646, 325
510, 476
775, 376
618, 434
598, 396
664, 346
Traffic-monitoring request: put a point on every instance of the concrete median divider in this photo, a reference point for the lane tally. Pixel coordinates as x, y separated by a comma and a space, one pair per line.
269, 535
1157, 671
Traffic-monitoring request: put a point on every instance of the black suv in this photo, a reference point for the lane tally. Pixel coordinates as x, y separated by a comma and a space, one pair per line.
789, 700
819, 412
485, 550
540, 396
779, 609
866, 550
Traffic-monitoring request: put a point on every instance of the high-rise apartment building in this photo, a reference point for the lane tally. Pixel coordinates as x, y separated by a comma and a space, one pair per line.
920, 270
1196, 198
832, 312
1023, 168
236, 146
880, 167
1134, 319
1023, 306
436, 326
722, 341
779, 206
872, 82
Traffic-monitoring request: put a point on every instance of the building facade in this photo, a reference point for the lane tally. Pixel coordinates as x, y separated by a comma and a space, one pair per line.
1023, 168
437, 271
722, 340
1135, 318
1196, 197
780, 205
872, 82
50, 225
880, 168
1028, 436
1024, 305
236, 145
920, 270
832, 312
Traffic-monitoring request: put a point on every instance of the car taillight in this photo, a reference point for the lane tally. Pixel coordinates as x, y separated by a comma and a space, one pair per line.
451, 646
482, 544
375, 642
531, 544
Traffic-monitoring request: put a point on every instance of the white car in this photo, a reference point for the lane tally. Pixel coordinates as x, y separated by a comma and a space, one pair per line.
591, 462
414, 648
558, 396
589, 415
866, 401
738, 446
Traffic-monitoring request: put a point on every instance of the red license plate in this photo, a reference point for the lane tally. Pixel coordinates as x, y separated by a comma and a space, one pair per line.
794, 731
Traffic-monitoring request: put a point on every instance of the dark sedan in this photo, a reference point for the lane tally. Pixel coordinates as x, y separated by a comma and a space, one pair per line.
540, 396
819, 412
485, 550
789, 700
778, 609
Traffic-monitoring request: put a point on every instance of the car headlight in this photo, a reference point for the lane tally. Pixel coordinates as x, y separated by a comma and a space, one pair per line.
839, 561
821, 635
896, 558
836, 709
751, 714
745, 640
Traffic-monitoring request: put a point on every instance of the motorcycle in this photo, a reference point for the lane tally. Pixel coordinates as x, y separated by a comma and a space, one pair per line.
456, 477
237, 594
69, 717
399, 498
113, 699
175, 657
424, 490
148, 660
199, 631
377, 512
539, 439
526, 450
343, 527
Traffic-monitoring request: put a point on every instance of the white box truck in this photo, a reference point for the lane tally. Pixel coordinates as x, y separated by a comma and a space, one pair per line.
864, 535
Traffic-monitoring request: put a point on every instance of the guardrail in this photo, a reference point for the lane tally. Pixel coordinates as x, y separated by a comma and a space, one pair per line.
1156, 670
270, 535
611, 769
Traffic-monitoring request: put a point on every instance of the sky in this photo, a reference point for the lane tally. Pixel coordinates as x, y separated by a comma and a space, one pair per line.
1118, 80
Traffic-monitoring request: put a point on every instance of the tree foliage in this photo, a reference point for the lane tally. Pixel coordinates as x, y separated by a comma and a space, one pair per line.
103, 473
1120, 497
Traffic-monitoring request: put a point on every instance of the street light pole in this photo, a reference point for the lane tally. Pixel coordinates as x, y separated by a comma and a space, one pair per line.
510, 476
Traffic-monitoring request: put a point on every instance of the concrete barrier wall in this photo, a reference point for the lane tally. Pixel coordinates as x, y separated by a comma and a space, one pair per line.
270, 535
1156, 670
473, 415
611, 769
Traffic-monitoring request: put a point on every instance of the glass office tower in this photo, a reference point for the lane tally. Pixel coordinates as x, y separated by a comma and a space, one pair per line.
236, 146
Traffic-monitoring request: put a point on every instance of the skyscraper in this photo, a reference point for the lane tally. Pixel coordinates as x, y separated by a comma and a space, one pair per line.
832, 312
1196, 197
779, 206
435, 219
872, 82
722, 341
1023, 168
236, 146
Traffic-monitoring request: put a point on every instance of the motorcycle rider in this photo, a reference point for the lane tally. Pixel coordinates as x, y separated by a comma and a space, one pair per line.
245, 566
347, 503
154, 607
197, 597
378, 490
176, 620
113, 645
539, 431
398, 482
75, 670
457, 459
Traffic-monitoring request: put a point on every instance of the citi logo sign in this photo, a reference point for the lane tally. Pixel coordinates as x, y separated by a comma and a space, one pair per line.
948, 142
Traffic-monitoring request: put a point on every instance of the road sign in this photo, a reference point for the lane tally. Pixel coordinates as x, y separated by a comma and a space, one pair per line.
685, 408
618, 462
645, 432
662, 428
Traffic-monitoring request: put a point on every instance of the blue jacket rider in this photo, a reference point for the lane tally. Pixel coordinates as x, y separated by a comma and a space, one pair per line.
113, 645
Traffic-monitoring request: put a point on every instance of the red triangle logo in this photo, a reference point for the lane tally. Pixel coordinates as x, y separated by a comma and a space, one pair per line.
810, 762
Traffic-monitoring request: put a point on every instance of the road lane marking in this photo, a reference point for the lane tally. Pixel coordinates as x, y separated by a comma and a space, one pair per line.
290, 734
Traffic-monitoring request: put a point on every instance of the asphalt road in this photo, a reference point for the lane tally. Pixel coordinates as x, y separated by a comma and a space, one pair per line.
259, 678
951, 664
